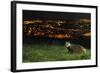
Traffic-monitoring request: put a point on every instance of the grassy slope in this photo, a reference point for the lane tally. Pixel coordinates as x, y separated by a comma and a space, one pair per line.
39, 53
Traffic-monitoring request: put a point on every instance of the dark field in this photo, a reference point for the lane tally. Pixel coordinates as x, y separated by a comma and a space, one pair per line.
42, 52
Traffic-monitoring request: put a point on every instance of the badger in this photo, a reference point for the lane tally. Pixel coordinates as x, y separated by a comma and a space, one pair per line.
74, 48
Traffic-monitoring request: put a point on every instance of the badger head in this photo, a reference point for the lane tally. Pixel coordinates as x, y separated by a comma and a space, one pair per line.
67, 44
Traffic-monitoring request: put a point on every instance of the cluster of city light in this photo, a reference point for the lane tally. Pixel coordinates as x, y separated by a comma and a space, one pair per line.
51, 28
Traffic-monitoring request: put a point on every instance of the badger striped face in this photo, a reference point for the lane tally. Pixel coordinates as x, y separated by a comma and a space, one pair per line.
67, 44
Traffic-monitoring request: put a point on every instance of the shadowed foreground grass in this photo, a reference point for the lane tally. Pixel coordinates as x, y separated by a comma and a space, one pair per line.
40, 53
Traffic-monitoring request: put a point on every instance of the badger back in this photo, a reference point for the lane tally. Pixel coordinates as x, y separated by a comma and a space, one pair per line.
77, 48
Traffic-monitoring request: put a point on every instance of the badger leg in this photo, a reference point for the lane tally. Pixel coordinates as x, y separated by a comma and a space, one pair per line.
70, 50
84, 50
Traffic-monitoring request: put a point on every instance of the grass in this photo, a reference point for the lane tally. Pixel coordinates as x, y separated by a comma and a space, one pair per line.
41, 52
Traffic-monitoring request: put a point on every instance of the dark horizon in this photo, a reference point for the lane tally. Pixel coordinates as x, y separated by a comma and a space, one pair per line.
52, 15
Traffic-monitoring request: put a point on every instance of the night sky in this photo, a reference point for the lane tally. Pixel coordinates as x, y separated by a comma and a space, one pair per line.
50, 15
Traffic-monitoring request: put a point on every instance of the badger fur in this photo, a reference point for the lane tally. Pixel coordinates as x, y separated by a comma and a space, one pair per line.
74, 48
